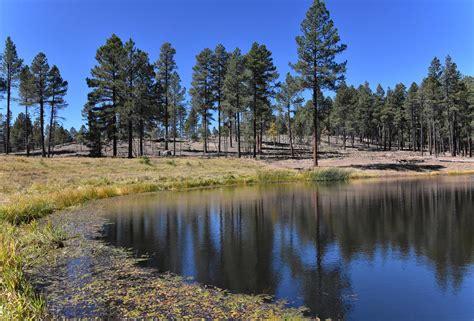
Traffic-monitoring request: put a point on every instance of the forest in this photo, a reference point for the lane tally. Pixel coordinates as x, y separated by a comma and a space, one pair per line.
236, 99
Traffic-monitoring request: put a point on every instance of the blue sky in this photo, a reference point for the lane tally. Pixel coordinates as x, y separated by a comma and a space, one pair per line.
389, 41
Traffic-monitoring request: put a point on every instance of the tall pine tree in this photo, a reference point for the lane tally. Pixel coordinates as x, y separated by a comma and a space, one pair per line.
107, 82
261, 83
40, 70
10, 70
317, 49
57, 89
202, 90
236, 92
165, 66
27, 99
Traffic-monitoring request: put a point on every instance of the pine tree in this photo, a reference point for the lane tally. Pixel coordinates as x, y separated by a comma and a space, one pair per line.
93, 135
262, 75
379, 102
166, 65
40, 70
221, 58
412, 112
27, 99
433, 98
398, 105
56, 91
364, 111
145, 96
451, 82
108, 82
176, 103
346, 98
317, 50
202, 89
236, 92
19, 141
289, 98
10, 71
190, 127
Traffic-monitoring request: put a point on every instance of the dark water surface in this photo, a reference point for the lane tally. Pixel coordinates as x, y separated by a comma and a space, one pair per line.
386, 250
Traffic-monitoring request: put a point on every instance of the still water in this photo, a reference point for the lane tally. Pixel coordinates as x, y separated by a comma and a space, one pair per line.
386, 250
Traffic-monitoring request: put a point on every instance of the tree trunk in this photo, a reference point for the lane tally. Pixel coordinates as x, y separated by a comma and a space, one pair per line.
289, 132
43, 149
7, 142
315, 121
219, 125
141, 136
166, 106
50, 135
421, 134
27, 140
254, 122
174, 131
205, 131
238, 135
130, 137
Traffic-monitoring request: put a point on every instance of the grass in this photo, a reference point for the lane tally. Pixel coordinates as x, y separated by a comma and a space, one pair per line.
20, 247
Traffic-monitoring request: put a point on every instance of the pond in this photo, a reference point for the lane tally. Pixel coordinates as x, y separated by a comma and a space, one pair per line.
390, 249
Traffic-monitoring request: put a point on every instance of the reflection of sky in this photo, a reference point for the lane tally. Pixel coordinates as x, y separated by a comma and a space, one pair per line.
409, 283
187, 255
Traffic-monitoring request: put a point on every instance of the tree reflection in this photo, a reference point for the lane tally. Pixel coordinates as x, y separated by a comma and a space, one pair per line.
297, 241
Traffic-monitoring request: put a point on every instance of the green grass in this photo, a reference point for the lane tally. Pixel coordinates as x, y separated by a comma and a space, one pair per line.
19, 247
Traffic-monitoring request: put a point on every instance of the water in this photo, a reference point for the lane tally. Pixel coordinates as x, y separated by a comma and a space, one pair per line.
391, 250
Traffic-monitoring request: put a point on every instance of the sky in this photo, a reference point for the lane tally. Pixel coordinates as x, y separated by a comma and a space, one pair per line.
389, 41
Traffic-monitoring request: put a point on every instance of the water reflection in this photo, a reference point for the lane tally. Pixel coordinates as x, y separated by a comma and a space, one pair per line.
336, 249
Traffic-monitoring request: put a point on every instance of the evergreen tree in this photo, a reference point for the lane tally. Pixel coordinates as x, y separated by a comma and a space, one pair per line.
364, 111
56, 91
412, 112
221, 58
40, 70
451, 82
190, 127
108, 82
262, 75
93, 135
378, 106
433, 98
398, 106
10, 70
236, 92
202, 89
19, 141
317, 49
346, 98
177, 105
27, 99
166, 65
289, 98
146, 97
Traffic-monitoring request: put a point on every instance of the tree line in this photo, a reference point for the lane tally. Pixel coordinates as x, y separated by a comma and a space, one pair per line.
132, 98
435, 116
41, 91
